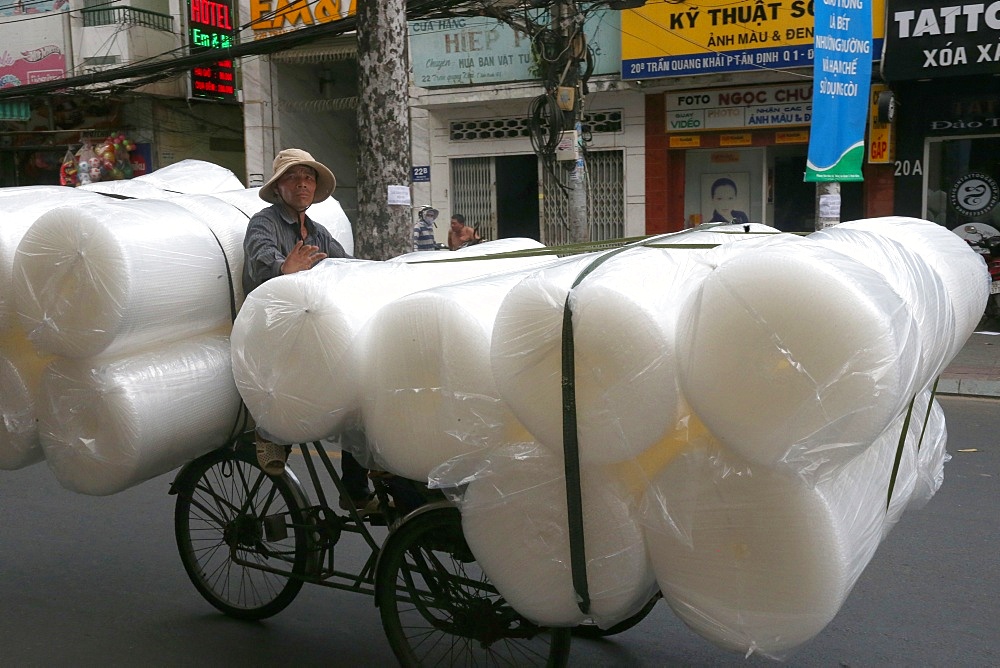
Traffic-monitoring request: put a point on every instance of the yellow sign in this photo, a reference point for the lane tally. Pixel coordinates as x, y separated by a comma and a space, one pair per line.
791, 137
671, 39
881, 147
685, 141
735, 139
274, 17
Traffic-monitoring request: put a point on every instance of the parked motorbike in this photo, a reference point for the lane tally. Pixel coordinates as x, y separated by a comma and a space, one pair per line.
985, 240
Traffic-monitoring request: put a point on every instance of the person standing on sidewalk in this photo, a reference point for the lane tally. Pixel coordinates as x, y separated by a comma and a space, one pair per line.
282, 239
423, 231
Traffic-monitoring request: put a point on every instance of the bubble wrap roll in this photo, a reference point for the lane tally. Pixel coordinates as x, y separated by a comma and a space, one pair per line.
119, 276
514, 519
19, 209
106, 425
796, 356
624, 319
756, 560
428, 391
192, 177
961, 269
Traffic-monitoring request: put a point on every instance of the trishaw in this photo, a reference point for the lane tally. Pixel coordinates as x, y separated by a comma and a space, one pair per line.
249, 541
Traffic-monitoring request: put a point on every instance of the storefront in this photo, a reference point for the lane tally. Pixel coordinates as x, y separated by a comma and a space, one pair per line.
943, 65
736, 152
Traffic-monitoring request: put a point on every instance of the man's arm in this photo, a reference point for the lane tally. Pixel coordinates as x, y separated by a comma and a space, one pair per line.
262, 256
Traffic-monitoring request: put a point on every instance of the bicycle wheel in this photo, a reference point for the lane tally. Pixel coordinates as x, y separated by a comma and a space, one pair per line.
232, 523
592, 631
438, 608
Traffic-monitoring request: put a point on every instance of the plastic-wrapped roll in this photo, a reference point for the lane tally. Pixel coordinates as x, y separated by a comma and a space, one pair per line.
428, 391
509, 245
754, 559
795, 355
914, 280
20, 373
229, 225
192, 177
119, 276
515, 520
294, 351
327, 213
961, 269
624, 319
19, 209
109, 424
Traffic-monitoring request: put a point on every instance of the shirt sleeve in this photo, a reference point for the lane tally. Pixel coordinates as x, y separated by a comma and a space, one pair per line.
262, 256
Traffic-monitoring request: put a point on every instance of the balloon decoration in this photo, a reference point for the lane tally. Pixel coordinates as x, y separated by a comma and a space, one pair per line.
107, 161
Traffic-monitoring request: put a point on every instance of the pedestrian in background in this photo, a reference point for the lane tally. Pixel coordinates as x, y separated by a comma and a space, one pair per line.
423, 231
461, 234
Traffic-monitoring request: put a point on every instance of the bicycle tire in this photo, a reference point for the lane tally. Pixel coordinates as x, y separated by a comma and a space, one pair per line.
222, 502
592, 631
438, 608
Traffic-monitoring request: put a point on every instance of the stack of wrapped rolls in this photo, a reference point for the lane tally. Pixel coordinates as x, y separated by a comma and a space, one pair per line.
127, 301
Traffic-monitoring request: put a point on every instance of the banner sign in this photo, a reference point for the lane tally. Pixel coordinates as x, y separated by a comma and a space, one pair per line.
477, 50
927, 40
275, 17
667, 39
739, 108
842, 75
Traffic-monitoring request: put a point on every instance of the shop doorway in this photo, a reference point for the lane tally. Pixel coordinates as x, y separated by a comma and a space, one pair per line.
962, 177
517, 196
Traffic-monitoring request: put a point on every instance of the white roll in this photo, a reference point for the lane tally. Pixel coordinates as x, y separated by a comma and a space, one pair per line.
192, 177
428, 391
961, 269
229, 225
496, 247
19, 209
624, 318
107, 425
756, 560
793, 355
20, 374
914, 279
118, 276
294, 341
515, 521
128, 189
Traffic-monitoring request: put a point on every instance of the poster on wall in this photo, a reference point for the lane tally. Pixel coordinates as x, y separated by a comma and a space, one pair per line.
725, 197
31, 50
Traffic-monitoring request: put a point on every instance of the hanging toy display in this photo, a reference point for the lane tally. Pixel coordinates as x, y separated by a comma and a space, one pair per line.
108, 161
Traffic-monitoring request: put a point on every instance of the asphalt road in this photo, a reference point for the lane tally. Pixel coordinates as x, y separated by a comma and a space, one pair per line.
96, 581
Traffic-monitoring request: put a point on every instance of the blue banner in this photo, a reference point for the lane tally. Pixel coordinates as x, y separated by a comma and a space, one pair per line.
842, 72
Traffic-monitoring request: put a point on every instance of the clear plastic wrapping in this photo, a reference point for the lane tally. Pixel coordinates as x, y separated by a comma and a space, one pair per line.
19, 209
20, 374
295, 341
118, 276
108, 424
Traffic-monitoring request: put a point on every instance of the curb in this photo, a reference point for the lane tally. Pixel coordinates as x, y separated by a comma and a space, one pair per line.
969, 386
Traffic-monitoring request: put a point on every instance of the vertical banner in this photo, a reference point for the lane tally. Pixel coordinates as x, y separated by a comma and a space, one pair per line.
842, 72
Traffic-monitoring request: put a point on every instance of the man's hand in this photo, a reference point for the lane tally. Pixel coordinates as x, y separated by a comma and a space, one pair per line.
301, 258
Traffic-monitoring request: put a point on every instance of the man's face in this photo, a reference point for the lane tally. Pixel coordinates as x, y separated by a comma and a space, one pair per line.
297, 187
457, 226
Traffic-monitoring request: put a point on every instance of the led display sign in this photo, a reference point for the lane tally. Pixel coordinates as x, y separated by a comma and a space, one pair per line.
210, 27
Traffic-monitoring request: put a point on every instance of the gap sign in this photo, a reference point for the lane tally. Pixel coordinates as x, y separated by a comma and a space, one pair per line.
210, 27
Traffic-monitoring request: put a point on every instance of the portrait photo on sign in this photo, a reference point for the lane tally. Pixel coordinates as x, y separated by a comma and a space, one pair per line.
725, 197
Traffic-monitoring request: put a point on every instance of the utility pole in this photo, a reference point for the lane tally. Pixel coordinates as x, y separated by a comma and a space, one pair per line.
382, 230
570, 95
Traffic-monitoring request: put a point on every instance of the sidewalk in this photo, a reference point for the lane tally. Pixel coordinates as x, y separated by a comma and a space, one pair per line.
975, 371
